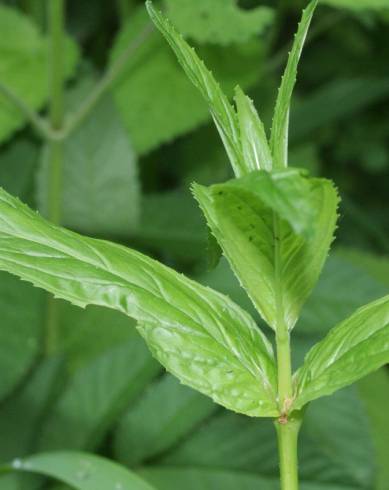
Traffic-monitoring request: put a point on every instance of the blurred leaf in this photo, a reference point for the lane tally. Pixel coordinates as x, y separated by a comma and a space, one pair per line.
172, 224
20, 419
205, 479
354, 348
325, 455
374, 390
333, 299
358, 4
153, 95
24, 65
97, 393
202, 337
80, 470
241, 215
100, 188
228, 441
219, 21
280, 126
375, 265
17, 163
21, 330
165, 414
338, 99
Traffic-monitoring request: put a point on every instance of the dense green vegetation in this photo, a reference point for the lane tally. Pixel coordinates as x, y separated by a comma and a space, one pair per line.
120, 136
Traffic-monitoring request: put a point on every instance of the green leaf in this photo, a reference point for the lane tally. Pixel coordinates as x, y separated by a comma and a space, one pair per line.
374, 390
21, 414
20, 419
356, 347
195, 478
97, 393
336, 100
152, 80
218, 22
80, 470
325, 456
24, 65
21, 330
17, 163
222, 111
165, 414
273, 264
280, 127
172, 224
359, 5
199, 335
100, 188
255, 147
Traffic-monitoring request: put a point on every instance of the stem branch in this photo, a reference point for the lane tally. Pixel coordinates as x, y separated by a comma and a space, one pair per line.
105, 83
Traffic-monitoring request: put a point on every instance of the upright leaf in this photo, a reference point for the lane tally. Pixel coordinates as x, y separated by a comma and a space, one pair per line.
80, 470
152, 85
280, 128
198, 334
255, 147
353, 349
222, 111
277, 265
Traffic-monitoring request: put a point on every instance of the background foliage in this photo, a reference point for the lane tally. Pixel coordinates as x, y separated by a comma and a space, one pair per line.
126, 174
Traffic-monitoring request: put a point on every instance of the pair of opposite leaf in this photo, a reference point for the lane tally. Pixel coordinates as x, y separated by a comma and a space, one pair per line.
275, 226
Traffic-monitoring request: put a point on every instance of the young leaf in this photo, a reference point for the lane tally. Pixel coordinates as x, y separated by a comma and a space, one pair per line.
201, 336
80, 470
222, 111
275, 230
280, 128
353, 349
255, 147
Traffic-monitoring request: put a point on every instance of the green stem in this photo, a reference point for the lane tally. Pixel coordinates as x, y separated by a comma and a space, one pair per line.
287, 434
56, 14
287, 425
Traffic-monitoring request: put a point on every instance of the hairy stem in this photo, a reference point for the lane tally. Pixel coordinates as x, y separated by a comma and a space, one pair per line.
56, 16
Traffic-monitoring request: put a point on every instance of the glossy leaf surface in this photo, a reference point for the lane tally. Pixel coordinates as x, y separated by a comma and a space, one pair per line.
198, 334
352, 349
277, 263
